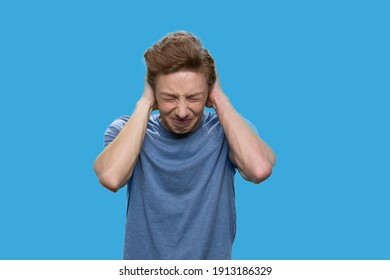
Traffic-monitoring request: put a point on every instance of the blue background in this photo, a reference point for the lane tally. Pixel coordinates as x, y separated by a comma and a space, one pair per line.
312, 76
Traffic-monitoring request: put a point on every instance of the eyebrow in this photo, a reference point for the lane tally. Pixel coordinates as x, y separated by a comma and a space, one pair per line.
174, 95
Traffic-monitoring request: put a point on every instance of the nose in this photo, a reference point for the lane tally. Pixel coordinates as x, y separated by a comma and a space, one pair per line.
182, 109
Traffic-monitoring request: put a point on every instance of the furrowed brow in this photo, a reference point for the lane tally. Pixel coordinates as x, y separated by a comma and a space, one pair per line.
195, 94
167, 93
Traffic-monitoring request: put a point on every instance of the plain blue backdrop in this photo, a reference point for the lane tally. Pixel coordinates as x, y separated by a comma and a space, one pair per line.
312, 76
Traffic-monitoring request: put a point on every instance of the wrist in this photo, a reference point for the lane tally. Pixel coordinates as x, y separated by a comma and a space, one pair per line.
220, 101
145, 103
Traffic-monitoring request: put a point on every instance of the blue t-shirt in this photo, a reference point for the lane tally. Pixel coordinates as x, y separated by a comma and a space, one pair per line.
181, 197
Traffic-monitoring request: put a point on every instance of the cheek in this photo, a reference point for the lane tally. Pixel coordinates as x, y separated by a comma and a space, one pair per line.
197, 107
165, 107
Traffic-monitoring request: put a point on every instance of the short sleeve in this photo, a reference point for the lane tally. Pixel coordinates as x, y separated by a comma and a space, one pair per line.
113, 129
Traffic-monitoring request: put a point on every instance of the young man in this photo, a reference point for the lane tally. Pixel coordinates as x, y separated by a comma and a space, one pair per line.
179, 165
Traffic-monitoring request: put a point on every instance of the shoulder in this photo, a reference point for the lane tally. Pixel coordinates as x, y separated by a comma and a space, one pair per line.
114, 128
210, 119
211, 127
153, 120
119, 123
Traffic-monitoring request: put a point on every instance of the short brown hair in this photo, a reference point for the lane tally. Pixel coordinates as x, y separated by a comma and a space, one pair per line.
177, 51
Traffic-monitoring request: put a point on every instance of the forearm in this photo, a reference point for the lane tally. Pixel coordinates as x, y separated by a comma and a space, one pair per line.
248, 151
114, 166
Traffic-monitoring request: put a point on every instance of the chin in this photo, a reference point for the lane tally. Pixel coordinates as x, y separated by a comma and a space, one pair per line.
181, 131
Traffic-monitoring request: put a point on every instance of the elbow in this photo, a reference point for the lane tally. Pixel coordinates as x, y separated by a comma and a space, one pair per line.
109, 183
107, 180
261, 173
263, 169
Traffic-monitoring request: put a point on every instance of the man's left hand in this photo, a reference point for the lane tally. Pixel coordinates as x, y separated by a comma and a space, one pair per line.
215, 93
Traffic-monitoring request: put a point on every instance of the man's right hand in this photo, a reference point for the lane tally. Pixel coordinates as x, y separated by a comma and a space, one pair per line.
149, 95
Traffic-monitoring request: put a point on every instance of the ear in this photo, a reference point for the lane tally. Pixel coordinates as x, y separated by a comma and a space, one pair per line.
209, 104
155, 107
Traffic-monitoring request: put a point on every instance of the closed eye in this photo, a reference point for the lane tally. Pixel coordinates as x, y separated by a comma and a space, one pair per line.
194, 98
168, 99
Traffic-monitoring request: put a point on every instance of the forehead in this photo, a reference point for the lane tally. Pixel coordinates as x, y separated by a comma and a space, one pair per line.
181, 82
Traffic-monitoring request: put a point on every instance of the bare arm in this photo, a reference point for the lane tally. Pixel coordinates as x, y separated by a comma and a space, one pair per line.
114, 166
248, 151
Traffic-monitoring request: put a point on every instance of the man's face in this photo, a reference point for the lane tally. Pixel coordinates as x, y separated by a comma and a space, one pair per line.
181, 97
